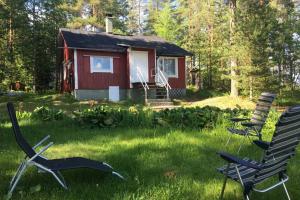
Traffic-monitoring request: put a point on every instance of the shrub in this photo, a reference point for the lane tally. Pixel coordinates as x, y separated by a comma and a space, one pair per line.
105, 117
23, 114
193, 118
47, 114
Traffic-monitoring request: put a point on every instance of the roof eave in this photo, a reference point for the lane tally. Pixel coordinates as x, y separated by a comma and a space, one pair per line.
98, 49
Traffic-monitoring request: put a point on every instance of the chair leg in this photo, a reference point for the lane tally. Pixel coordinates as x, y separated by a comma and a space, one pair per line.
118, 175
286, 191
16, 179
225, 182
16, 174
58, 176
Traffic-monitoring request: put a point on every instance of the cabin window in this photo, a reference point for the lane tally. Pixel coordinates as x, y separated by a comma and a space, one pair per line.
101, 64
169, 66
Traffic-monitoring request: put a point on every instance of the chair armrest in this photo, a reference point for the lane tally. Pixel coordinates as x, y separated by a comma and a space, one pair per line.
251, 124
232, 159
239, 119
41, 151
262, 144
41, 142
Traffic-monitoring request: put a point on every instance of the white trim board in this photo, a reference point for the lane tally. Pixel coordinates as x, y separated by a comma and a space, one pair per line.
75, 69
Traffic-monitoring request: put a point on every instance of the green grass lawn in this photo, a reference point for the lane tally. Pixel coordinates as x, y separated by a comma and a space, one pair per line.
224, 102
157, 163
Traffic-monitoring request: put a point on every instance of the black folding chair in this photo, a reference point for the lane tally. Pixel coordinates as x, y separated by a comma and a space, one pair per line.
52, 166
253, 126
251, 173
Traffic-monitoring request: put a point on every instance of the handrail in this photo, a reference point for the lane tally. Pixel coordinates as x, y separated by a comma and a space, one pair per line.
143, 82
164, 81
163, 78
142, 79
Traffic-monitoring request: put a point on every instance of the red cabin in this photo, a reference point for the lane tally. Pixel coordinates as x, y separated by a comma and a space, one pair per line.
108, 66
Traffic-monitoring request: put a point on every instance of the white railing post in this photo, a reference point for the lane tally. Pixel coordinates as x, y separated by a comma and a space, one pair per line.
164, 81
143, 82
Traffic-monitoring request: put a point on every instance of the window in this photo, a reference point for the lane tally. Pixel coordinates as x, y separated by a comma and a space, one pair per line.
169, 66
101, 64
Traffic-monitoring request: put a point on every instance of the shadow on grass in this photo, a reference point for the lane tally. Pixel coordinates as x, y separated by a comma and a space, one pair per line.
158, 164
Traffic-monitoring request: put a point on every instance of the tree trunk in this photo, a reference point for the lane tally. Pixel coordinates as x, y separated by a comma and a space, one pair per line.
234, 83
200, 74
233, 61
251, 87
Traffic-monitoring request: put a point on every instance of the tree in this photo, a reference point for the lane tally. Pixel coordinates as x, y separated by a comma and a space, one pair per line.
233, 60
90, 14
206, 34
166, 25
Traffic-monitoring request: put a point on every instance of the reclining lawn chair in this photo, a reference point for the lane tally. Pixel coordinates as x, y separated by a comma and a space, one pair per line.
253, 126
250, 173
52, 166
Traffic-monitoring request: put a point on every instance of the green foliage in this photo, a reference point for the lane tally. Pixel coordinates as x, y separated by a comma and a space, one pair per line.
90, 13
192, 118
47, 114
105, 116
23, 115
166, 24
269, 127
195, 93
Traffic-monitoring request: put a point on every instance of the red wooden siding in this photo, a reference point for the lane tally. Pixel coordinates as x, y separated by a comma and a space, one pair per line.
100, 80
120, 75
180, 81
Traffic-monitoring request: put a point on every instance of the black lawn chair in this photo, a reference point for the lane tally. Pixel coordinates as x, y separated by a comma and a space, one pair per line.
253, 126
251, 173
52, 166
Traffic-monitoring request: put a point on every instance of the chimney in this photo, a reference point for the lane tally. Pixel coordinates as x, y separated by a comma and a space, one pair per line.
108, 23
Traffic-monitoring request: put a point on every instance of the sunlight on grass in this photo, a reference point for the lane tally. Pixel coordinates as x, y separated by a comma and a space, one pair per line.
157, 163
225, 102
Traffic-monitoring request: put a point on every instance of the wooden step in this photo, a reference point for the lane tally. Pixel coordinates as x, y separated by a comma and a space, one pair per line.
159, 102
151, 85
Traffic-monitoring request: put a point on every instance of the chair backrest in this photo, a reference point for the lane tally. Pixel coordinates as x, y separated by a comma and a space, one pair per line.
283, 144
17, 132
262, 109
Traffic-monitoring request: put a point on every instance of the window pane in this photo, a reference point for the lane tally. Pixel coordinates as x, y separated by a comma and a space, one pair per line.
160, 64
169, 66
101, 64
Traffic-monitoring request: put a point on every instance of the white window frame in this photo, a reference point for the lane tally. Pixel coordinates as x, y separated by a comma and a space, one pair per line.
111, 70
163, 63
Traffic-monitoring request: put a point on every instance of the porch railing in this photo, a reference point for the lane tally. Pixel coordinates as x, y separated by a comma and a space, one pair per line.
161, 80
143, 82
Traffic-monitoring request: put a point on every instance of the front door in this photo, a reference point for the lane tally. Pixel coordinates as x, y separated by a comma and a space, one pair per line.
138, 66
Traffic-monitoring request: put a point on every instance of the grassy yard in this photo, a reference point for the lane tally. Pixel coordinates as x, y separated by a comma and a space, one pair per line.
225, 102
157, 163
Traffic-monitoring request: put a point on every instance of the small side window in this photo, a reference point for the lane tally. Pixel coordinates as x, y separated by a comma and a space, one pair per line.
101, 64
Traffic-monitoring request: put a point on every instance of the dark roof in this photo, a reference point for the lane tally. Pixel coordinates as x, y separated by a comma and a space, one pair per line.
79, 39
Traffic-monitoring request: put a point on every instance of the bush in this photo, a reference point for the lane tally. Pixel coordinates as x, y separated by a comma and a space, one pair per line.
23, 115
196, 117
105, 116
193, 118
47, 114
